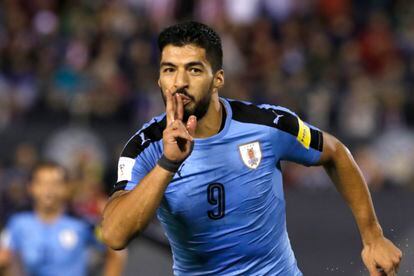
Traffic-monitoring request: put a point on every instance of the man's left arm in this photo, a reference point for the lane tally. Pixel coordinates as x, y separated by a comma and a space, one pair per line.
115, 261
378, 252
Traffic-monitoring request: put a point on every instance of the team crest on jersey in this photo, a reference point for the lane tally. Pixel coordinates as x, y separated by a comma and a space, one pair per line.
251, 154
68, 238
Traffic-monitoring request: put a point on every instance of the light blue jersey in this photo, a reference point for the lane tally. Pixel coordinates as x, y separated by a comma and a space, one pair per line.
57, 248
224, 210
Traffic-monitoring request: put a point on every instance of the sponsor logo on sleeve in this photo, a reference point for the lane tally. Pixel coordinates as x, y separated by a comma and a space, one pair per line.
278, 116
125, 166
143, 138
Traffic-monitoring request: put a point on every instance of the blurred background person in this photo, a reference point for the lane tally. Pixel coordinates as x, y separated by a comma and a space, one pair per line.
48, 241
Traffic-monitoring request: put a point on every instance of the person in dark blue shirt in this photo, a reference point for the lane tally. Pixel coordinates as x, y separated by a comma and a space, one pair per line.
47, 241
210, 168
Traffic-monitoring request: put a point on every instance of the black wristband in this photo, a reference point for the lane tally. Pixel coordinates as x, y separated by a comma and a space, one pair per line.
169, 165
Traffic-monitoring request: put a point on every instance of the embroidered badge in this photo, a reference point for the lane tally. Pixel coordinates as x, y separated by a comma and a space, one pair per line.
125, 166
68, 238
251, 154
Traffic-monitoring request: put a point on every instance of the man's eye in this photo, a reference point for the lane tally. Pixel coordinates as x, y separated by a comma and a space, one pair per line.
168, 70
195, 70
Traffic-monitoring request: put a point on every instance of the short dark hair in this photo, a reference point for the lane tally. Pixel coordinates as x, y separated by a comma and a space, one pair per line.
48, 165
195, 33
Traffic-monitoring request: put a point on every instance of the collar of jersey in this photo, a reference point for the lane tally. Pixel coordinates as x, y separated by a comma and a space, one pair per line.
219, 135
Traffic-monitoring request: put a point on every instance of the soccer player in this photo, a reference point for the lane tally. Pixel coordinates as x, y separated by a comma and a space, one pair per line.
210, 168
47, 241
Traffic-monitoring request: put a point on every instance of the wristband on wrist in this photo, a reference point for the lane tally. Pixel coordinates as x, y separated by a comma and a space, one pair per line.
168, 165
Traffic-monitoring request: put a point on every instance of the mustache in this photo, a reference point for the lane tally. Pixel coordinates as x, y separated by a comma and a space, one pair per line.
184, 92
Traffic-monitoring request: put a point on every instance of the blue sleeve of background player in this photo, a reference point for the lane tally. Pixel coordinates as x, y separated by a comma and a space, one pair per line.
140, 155
9, 235
295, 140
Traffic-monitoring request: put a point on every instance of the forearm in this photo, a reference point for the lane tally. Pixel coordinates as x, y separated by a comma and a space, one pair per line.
350, 182
128, 214
9, 264
5, 258
115, 262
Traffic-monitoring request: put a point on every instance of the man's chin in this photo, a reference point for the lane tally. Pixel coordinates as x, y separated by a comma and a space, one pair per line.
198, 109
188, 111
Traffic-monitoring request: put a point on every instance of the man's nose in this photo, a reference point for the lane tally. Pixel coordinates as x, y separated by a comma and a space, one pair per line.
181, 79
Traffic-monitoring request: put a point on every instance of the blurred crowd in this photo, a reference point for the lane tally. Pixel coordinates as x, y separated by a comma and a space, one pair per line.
344, 66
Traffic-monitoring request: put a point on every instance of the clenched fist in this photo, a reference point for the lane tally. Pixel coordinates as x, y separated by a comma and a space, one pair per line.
381, 257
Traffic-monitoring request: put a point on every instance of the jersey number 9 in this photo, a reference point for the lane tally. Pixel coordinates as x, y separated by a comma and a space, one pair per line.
216, 196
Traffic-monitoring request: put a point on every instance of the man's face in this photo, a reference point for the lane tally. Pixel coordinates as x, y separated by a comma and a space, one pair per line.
187, 71
48, 188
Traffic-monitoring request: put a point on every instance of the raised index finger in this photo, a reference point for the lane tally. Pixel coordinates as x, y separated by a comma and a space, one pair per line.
179, 107
169, 107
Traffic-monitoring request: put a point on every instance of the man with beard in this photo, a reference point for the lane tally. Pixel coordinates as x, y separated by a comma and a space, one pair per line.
210, 168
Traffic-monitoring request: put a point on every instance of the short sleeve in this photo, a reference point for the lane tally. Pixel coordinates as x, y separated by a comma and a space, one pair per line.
140, 155
132, 170
8, 236
293, 139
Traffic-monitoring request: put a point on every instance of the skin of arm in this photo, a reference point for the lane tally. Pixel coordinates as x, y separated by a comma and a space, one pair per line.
128, 212
5, 260
378, 252
9, 263
115, 262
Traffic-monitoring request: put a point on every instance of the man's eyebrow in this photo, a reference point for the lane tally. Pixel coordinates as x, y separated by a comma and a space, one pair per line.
167, 64
190, 64
194, 63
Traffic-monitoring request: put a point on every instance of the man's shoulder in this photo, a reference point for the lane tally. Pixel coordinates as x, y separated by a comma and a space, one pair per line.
22, 217
264, 114
153, 126
21, 220
150, 133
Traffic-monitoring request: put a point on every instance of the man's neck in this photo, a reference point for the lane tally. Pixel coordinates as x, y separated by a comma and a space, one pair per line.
48, 215
210, 124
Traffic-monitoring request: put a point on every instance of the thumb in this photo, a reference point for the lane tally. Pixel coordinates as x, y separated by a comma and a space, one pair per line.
370, 264
192, 125
373, 271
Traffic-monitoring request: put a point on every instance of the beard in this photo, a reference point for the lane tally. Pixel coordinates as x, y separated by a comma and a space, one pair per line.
197, 108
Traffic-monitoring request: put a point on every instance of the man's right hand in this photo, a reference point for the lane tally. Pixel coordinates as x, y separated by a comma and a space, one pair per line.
177, 136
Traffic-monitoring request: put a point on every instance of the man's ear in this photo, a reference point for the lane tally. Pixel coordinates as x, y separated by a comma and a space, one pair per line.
219, 79
159, 83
